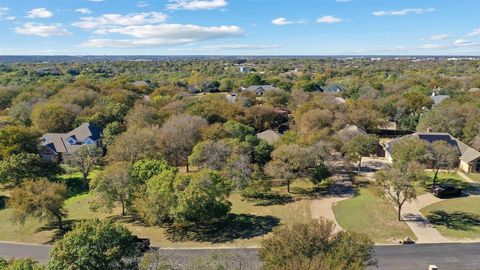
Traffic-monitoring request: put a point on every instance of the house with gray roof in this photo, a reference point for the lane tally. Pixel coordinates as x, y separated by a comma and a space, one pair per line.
437, 99
269, 135
259, 90
333, 89
57, 145
468, 158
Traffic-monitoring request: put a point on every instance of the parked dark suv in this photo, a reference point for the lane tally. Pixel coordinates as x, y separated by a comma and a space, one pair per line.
446, 191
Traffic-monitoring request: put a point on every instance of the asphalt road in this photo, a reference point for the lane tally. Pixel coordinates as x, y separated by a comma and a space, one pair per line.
411, 257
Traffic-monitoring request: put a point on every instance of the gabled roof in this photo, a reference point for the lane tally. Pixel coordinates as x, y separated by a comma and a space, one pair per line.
58, 142
271, 136
438, 99
466, 153
257, 88
332, 89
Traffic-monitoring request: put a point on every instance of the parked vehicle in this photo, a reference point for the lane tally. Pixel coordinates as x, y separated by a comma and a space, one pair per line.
446, 191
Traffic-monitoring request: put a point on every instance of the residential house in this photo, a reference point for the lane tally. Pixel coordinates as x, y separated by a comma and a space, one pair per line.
335, 89
55, 146
437, 99
269, 135
468, 158
232, 97
244, 69
259, 90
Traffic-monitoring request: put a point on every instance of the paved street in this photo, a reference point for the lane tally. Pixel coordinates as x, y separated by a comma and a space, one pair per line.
412, 257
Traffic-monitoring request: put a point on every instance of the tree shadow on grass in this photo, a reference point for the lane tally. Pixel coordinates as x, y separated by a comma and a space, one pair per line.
231, 228
269, 199
57, 233
3, 202
456, 220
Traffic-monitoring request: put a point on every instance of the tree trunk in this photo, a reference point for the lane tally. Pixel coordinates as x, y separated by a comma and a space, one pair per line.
123, 207
435, 178
400, 212
360, 166
60, 222
85, 180
288, 185
187, 166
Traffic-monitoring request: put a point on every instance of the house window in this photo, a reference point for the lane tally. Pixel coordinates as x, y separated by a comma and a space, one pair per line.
89, 141
477, 169
71, 140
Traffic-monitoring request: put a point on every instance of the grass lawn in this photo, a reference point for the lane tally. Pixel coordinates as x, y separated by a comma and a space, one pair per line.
457, 218
373, 215
443, 177
474, 176
250, 222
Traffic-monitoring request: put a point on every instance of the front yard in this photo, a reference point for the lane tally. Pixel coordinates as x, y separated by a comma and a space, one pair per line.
451, 178
457, 218
249, 223
373, 215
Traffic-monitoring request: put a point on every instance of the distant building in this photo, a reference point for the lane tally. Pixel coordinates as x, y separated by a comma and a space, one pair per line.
269, 135
141, 84
437, 99
57, 145
259, 90
232, 97
244, 69
193, 90
335, 89
468, 158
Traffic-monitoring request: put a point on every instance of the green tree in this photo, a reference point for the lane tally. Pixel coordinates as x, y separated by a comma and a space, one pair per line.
41, 199
315, 246
16, 168
93, 245
145, 169
238, 130
20, 264
114, 184
360, 146
111, 132
253, 79
399, 184
442, 155
320, 173
156, 203
201, 197
52, 117
409, 150
17, 139
290, 162
85, 159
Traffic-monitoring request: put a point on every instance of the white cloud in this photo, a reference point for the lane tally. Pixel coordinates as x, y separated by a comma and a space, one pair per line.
83, 10
403, 12
39, 13
329, 19
475, 32
142, 4
10, 18
110, 20
462, 42
243, 47
3, 10
440, 37
42, 30
433, 46
196, 4
281, 21
162, 35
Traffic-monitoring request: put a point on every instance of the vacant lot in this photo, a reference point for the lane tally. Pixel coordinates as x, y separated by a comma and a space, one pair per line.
457, 218
373, 215
249, 223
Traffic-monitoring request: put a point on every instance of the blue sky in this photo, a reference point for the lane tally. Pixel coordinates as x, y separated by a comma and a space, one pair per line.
240, 27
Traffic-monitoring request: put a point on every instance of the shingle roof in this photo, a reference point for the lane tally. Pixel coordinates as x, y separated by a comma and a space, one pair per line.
466, 153
439, 99
271, 136
255, 88
58, 142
